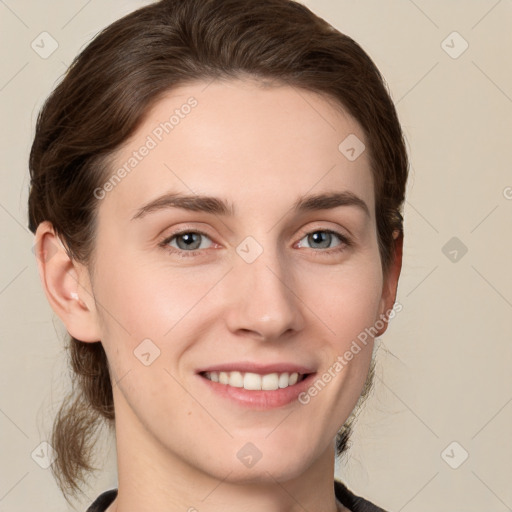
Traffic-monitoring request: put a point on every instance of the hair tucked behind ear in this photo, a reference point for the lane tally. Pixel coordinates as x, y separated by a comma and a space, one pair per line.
114, 82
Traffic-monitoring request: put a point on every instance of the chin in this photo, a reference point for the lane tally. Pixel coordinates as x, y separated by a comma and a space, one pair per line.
262, 474
267, 466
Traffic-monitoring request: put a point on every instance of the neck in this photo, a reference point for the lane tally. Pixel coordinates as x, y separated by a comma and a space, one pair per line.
152, 478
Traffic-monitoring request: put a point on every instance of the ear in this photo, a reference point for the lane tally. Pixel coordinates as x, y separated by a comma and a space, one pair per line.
66, 284
390, 283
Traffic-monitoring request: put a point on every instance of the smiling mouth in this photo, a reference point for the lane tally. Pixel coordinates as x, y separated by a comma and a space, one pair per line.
255, 381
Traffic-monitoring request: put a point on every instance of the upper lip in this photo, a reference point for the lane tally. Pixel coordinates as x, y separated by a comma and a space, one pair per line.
248, 366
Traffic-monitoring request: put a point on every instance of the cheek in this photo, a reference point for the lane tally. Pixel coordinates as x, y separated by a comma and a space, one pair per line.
346, 299
148, 299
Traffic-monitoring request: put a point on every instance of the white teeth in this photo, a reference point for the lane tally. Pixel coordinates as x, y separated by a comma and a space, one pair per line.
235, 379
270, 381
284, 380
251, 381
254, 381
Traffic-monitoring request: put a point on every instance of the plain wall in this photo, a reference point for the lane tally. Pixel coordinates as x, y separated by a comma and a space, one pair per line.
443, 372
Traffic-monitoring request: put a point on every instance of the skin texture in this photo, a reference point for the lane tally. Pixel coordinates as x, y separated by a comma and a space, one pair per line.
260, 148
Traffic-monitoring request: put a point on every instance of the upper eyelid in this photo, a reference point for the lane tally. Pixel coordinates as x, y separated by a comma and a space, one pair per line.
169, 237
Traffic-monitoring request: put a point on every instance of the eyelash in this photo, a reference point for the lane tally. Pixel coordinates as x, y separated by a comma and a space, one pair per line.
345, 243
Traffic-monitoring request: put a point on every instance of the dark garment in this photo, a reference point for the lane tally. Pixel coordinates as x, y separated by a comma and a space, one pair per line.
350, 500
353, 502
103, 501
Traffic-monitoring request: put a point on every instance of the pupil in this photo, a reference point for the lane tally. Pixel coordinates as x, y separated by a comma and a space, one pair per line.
320, 237
188, 239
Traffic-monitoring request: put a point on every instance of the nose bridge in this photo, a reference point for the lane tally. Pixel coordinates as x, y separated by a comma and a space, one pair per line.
262, 288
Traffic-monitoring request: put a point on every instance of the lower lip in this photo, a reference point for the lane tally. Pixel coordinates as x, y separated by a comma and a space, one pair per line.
259, 399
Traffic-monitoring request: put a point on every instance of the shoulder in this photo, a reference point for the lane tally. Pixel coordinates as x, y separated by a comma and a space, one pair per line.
353, 502
103, 501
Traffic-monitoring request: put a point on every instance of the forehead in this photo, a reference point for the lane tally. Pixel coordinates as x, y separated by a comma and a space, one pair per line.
252, 144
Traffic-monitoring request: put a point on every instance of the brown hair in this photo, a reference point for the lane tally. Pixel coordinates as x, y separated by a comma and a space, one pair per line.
115, 81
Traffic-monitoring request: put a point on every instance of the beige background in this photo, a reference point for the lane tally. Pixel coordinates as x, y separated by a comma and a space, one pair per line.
444, 365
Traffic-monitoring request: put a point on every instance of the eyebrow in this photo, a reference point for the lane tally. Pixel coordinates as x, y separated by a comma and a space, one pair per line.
217, 206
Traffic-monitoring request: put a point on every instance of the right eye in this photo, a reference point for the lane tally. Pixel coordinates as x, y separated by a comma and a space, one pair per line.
188, 241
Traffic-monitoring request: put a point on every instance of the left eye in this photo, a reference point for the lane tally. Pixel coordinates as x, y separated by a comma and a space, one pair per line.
322, 239
187, 240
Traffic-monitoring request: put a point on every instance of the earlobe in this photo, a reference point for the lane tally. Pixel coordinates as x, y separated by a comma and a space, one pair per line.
66, 285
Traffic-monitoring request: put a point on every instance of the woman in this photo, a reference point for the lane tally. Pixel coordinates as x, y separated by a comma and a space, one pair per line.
216, 188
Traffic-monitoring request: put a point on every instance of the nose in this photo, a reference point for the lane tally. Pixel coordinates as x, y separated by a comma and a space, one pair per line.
262, 299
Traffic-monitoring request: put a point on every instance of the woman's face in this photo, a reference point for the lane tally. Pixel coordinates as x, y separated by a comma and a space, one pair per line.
259, 282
